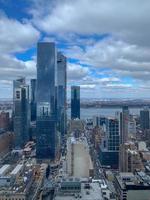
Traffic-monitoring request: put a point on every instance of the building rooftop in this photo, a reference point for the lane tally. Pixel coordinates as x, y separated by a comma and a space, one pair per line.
16, 169
14, 182
3, 169
90, 191
130, 180
78, 154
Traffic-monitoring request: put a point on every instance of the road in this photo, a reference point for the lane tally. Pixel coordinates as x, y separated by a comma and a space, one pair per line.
98, 171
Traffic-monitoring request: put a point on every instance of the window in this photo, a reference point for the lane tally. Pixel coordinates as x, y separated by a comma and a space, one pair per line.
17, 94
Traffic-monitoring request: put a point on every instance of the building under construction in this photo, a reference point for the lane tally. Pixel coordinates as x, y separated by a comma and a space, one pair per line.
79, 162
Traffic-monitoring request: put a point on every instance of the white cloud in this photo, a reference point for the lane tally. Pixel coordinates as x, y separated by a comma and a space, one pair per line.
122, 58
119, 86
11, 68
126, 19
110, 79
16, 36
124, 53
89, 86
76, 72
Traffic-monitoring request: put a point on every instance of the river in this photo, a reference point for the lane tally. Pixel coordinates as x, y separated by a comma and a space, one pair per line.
90, 112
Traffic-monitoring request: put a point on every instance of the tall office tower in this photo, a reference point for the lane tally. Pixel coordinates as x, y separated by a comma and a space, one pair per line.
131, 127
75, 102
61, 92
46, 141
124, 120
109, 148
145, 119
21, 112
33, 100
131, 158
124, 128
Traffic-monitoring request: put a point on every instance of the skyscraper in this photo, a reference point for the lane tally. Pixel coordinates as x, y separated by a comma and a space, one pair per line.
124, 120
124, 128
75, 102
33, 100
144, 119
109, 149
46, 144
61, 92
131, 159
21, 112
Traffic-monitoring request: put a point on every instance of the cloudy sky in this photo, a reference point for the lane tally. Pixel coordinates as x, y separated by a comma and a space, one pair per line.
107, 43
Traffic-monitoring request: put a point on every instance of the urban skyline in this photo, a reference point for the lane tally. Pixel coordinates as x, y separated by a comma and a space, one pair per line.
106, 57
77, 125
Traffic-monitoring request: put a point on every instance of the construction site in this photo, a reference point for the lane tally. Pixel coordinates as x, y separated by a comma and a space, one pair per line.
79, 162
21, 181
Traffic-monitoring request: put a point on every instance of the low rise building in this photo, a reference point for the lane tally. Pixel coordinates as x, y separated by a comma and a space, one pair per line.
74, 188
4, 169
16, 181
85, 189
131, 186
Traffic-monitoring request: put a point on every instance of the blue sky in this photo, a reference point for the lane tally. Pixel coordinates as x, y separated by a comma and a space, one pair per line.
107, 44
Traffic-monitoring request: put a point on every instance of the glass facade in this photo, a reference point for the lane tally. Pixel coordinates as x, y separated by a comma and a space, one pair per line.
109, 149
112, 129
21, 112
144, 119
75, 102
33, 100
124, 121
46, 110
61, 93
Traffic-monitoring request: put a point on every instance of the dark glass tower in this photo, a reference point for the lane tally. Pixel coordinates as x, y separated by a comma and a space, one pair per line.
75, 102
145, 119
109, 148
46, 90
61, 92
21, 112
33, 100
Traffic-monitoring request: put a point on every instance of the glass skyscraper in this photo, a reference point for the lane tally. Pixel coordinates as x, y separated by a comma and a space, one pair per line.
33, 100
21, 115
75, 102
61, 92
124, 121
46, 140
145, 119
109, 148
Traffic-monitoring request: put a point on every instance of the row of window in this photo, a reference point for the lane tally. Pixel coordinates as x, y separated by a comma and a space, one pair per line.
12, 198
70, 188
113, 148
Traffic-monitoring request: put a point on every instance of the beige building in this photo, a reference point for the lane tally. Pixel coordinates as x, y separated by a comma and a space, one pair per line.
129, 158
